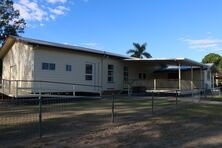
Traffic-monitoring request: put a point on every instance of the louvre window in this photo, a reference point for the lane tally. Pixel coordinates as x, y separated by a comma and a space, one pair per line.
48, 66
68, 67
110, 73
89, 72
125, 73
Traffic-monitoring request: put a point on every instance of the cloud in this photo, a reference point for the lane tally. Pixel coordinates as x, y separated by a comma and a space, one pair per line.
203, 44
56, 1
52, 16
38, 11
30, 10
41, 24
60, 10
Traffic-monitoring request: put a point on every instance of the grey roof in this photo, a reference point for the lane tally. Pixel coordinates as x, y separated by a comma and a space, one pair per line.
151, 61
168, 61
70, 47
176, 68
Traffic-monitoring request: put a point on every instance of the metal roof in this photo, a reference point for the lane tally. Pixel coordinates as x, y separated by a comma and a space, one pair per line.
152, 61
176, 68
168, 61
63, 46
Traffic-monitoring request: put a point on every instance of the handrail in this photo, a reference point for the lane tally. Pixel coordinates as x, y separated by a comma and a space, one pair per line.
161, 79
53, 82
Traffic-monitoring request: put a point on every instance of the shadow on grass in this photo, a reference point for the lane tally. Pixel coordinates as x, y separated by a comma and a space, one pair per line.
188, 127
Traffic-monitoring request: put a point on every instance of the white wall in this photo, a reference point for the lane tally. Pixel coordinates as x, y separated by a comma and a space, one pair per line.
77, 75
18, 63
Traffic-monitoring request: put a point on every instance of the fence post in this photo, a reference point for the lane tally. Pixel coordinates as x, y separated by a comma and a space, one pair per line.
201, 94
40, 116
40, 113
219, 91
100, 92
128, 90
154, 84
113, 108
74, 90
176, 98
152, 103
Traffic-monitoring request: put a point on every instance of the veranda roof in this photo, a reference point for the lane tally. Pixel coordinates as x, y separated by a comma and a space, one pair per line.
167, 62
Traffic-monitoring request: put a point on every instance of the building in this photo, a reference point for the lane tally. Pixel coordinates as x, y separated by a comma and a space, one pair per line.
31, 66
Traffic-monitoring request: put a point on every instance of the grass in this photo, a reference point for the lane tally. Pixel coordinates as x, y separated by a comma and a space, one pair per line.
87, 124
215, 98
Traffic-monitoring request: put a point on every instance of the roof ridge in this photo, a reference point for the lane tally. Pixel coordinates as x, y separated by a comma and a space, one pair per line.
60, 45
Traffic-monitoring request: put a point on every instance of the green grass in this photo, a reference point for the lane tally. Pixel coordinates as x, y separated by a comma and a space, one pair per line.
215, 98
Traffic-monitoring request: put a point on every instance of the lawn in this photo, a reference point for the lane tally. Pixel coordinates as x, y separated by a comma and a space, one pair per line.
87, 124
214, 98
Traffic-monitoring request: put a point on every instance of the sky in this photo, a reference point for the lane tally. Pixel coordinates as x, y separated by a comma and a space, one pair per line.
171, 28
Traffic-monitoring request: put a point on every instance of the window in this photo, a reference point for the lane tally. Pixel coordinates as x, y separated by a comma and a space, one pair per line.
89, 72
110, 73
48, 66
125, 73
68, 67
45, 66
142, 76
51, 66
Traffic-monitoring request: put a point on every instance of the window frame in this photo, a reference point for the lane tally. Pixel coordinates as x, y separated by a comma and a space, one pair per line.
142, 76
110, 73
125, 73
52, 66
45, 66
68, 67
48, 66
89, 74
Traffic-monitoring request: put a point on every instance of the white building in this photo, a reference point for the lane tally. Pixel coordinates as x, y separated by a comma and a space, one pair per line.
32, 66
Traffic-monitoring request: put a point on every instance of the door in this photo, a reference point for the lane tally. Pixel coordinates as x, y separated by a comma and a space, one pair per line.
90, 74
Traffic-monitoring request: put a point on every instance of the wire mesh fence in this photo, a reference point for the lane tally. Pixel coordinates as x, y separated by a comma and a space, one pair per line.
44, 116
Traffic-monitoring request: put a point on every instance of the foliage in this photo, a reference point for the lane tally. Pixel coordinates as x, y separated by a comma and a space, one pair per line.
213, 58
139, 51
10, 21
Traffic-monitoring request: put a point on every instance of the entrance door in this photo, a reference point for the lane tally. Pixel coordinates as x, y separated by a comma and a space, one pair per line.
90, 74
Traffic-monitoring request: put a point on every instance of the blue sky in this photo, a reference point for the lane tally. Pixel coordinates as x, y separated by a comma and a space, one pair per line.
171, 28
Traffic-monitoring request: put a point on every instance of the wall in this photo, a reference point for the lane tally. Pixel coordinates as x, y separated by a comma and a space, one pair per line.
18, 64
77, 75
136, 68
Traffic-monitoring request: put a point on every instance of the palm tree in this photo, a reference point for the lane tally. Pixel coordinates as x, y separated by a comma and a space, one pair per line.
139, 51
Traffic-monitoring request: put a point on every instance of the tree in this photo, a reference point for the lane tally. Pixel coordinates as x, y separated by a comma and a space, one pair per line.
10, 21
213, 58
139, 51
